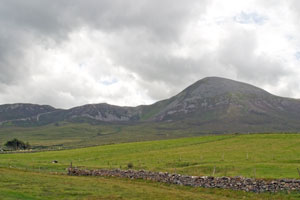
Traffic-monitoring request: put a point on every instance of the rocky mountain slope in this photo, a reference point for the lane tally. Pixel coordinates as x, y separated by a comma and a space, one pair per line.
227, 97
93, 113
22, 112
221, 104
212, 103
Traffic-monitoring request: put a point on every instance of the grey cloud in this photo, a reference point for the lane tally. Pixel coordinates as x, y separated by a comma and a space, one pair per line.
295, 6
235, 58
35, 21
163, 18
13, 67
141, 35
154, 63
237, 53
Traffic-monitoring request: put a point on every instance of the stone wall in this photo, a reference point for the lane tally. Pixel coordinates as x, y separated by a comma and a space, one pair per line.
235, 183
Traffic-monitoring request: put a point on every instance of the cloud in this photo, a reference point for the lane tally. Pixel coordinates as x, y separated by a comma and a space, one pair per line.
237, 53
71, 52
58, 17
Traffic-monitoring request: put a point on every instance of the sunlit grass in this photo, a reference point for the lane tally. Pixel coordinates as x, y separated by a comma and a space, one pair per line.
26, 185
254, 155
34, 176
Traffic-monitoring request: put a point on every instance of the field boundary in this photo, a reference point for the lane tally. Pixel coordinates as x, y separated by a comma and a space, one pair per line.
234, 183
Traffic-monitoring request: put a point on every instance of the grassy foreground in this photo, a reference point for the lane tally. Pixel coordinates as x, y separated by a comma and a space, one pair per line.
22, 185
33, 175
259, 155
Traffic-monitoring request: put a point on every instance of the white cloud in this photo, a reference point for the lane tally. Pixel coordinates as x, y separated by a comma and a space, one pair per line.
68, 53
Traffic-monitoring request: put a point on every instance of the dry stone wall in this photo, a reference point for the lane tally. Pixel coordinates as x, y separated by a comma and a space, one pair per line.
235, 183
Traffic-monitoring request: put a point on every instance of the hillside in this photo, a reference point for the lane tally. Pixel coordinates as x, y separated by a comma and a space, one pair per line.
273, 156
31, 175
23, 112
212, 104
224, 105
35, 185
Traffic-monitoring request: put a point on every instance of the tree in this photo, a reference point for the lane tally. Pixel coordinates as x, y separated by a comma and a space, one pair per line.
16, 144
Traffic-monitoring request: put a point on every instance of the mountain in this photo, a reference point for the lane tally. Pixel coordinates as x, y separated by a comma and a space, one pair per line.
93, 113
223, 104
22, 112
227, 97
211, 104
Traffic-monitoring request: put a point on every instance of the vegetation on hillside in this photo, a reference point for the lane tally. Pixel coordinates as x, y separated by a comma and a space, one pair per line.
72, 135
16, 144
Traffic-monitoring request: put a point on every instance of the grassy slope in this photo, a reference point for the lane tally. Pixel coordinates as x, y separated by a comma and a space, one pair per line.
33, 176
72, 135
269, 155
22, 185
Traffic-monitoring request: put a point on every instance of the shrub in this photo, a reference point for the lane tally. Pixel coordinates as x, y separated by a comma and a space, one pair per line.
130, 165
16, 144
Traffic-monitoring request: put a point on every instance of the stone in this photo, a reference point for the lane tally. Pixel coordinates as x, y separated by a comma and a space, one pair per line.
234, 183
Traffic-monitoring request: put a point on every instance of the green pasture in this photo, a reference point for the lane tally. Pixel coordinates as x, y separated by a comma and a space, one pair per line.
74, 135
26, 185
27, 176
250, 155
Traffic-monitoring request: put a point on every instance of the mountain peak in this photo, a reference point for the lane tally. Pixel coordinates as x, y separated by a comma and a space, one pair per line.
214, 95
215, 86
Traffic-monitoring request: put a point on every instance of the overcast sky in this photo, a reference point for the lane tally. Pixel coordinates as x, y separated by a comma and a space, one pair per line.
67, 53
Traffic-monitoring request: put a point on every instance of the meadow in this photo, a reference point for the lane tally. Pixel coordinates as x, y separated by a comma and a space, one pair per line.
66, 135
26, 185
251, 155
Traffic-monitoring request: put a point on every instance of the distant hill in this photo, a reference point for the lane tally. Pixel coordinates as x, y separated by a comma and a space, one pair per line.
22, 112
211, 104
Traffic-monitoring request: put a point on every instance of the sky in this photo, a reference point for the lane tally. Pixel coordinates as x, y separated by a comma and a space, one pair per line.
67, 53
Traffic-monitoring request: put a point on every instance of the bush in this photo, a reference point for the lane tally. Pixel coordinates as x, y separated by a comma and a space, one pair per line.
130, 165
16, 144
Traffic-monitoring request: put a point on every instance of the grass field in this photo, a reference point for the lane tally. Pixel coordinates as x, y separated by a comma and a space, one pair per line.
74, 135
259, 155
268, 155
24, 185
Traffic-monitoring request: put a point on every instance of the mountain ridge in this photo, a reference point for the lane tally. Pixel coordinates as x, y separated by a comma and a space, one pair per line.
211, 101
